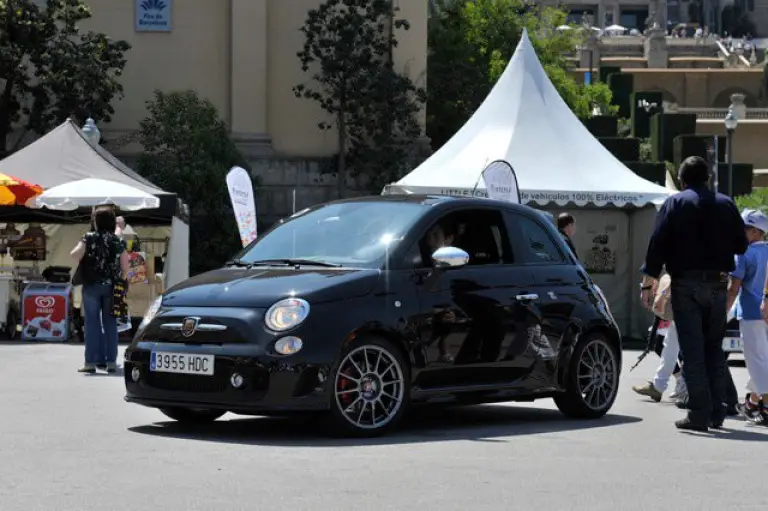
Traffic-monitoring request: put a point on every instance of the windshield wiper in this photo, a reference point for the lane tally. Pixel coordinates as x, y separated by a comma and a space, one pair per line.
239, 263
297, 262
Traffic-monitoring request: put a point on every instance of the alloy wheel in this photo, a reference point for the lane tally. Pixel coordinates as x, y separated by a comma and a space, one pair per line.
369, 387
598, 374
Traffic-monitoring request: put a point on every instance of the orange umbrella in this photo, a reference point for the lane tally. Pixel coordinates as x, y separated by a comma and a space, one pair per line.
14, 191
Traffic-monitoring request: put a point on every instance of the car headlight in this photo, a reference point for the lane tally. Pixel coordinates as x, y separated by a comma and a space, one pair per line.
152, 310
286, 314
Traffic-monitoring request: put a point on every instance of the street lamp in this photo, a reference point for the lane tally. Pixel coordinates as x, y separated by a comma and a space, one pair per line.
731, 121
91, 131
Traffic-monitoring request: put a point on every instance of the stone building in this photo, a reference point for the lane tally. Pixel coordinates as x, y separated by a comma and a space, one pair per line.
241, 55
633, 13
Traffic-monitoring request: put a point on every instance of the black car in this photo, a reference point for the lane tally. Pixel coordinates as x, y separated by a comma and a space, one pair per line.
361, 308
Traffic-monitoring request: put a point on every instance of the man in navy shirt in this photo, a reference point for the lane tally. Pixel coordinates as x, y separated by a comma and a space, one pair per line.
697, 234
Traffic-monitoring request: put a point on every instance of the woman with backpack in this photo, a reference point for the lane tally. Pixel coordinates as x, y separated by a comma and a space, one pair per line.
102, 266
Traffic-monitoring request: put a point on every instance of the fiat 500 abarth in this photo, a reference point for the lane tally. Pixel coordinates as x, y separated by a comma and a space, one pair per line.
360, 309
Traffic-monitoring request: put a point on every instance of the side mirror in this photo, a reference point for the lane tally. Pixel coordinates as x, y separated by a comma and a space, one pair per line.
449, 257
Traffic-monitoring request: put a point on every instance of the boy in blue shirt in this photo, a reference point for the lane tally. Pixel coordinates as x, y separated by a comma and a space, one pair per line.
747, 288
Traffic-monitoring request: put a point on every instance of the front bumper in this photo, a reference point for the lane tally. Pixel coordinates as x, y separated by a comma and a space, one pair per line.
272, 383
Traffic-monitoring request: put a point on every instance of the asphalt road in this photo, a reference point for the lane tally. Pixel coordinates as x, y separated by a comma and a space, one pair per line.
70, 442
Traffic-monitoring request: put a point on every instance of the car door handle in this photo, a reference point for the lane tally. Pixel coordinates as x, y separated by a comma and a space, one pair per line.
527, 298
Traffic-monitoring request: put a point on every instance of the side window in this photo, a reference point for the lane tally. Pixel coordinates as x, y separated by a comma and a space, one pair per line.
541, 248
480, 233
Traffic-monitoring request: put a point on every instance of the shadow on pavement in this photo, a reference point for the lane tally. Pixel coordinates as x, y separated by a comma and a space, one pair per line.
759, 434
480, 423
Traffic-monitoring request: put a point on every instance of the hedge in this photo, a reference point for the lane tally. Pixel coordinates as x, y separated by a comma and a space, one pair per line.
653, 172
606, 71
639, 116
622, 85
623, 148
742, 178
696, 145
602, 125
674, 126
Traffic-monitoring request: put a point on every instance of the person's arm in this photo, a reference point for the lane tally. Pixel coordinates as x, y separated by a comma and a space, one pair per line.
125, 264
735, 281
764, 304
78, 252
658, 246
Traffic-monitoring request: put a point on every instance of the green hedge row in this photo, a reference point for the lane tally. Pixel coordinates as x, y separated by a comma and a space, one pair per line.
742, 178
653, 172
697, 145
623, 148
602, 125
673, 126
640, 117
622, 85
606, 71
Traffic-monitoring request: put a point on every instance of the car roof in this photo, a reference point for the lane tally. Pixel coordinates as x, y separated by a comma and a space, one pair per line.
440, 200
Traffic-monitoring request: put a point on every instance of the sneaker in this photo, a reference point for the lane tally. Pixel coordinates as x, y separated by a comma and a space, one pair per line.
111, 368
87, 369
753, 412
101, 367
681, 391
648, 390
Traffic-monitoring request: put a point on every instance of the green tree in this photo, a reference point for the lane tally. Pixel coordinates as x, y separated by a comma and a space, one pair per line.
348, 53
758, 199
188, 151
51, 70
470, 44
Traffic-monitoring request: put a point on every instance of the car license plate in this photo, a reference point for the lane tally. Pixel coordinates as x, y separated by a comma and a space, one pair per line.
732, 344
181, 363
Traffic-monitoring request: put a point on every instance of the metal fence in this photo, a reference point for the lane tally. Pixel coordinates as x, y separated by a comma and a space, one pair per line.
720, 113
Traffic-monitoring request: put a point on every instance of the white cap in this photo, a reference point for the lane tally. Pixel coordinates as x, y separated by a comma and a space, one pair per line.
755, 218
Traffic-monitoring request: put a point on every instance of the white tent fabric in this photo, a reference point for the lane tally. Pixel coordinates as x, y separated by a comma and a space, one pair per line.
94, 192
64, 155
525, 122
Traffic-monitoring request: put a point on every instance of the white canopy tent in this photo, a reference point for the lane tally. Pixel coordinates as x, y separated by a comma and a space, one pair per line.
558, 162
525, 121
64, 156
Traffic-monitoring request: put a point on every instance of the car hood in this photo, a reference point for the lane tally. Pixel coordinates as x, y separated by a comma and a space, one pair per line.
261, 287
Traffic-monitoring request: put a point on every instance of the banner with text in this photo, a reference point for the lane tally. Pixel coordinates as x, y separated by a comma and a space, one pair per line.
241, 194
501, 182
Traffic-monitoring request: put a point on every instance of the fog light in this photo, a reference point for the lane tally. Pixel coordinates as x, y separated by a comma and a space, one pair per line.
288, 345
135, 374
237, 380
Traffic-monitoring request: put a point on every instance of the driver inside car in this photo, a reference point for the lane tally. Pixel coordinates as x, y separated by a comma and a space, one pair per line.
438, 237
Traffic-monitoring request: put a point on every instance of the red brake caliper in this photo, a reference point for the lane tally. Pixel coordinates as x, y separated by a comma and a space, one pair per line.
345, 384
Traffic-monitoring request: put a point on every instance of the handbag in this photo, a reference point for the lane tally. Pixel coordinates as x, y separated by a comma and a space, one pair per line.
77, 277
662, 302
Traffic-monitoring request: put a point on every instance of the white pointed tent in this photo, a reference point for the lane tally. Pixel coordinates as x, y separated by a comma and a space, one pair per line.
525, 122
558, 162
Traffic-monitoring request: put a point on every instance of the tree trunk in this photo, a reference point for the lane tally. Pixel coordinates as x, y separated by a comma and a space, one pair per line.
5, 117
341, 171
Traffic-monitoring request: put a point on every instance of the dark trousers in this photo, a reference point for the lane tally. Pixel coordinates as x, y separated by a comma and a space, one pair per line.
699, 307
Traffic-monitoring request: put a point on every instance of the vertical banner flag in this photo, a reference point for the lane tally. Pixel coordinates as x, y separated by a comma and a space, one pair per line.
243, 203
501, 182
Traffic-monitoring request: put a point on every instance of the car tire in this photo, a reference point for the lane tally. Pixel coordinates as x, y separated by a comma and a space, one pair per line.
368, 401
592, 379
189, 416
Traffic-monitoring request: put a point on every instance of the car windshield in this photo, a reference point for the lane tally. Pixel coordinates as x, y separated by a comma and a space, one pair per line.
346, 234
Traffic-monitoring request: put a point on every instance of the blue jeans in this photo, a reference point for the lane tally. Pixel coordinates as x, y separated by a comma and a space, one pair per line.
699, 310
100, 325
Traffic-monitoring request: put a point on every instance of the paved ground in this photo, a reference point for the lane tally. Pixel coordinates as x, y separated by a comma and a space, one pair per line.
69, 442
